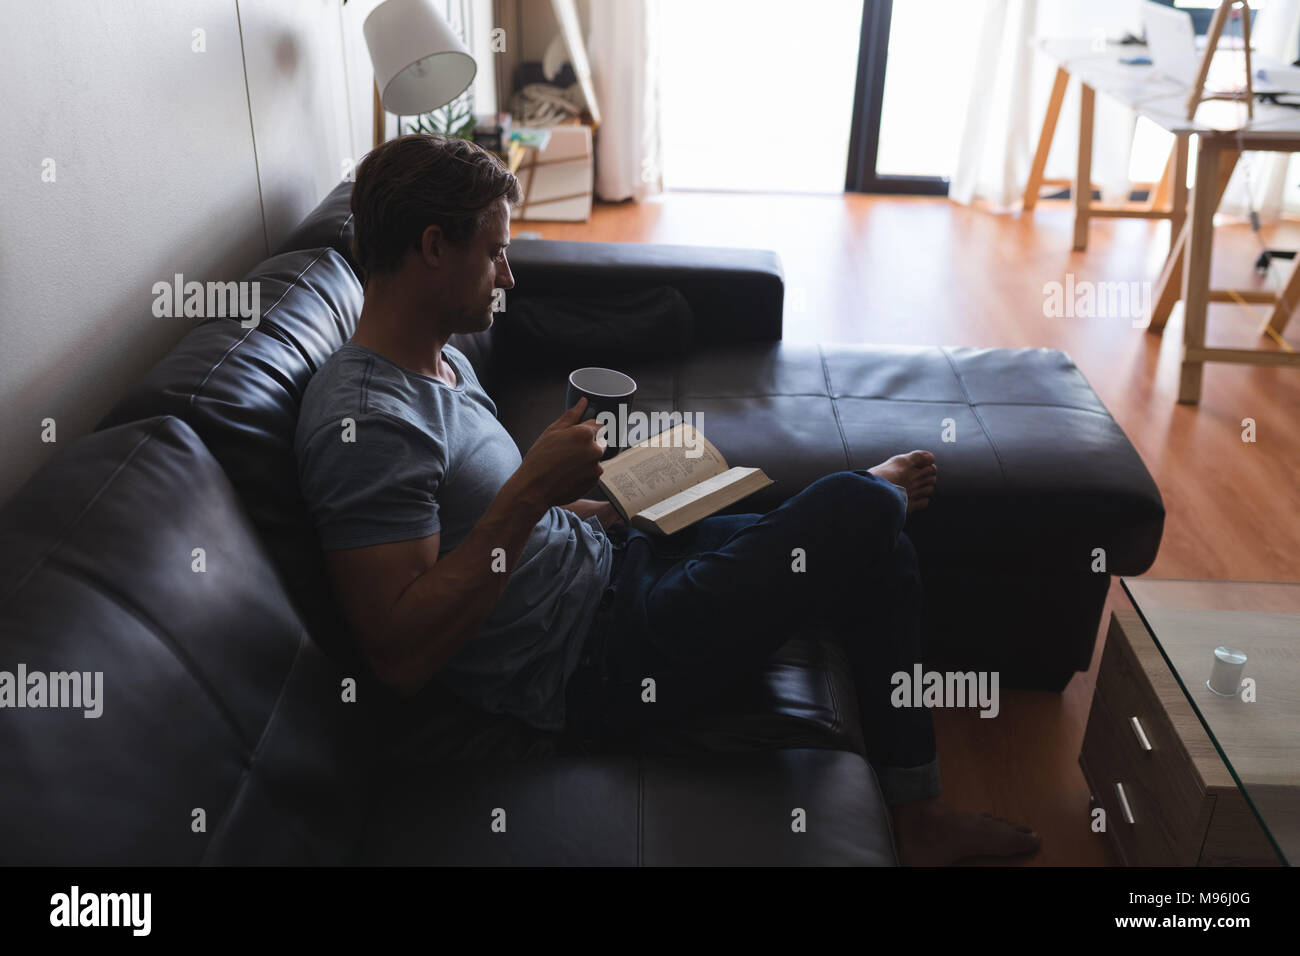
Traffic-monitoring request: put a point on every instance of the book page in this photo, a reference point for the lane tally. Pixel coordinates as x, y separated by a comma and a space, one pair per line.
644, 475
694, 493
711, 495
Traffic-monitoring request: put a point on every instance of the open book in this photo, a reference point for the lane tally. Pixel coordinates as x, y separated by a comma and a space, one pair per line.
659, 489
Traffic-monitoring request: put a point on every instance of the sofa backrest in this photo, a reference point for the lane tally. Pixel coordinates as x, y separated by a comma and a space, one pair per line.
328, 226
222, 733
240, 390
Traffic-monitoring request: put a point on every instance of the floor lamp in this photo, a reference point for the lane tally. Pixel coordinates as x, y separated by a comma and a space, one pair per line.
420, 63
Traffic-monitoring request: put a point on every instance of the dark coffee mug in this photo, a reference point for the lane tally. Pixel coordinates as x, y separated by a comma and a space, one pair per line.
606, 391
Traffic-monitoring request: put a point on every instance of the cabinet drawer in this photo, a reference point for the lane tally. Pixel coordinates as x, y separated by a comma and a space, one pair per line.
1148, 825
1147, 761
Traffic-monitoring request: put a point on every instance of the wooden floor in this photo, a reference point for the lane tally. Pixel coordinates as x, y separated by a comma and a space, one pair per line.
927, 271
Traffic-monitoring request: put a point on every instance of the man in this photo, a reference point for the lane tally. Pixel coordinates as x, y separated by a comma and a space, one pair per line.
457, 560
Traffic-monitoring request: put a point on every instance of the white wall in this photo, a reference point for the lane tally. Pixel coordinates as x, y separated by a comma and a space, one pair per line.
165, 160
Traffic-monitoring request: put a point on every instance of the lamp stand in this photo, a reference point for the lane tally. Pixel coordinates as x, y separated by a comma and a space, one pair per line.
380, 118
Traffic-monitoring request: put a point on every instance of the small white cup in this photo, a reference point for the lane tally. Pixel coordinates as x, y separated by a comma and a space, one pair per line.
1225, 675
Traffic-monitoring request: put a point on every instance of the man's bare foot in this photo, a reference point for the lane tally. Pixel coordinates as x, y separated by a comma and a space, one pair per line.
930, 833
915, 472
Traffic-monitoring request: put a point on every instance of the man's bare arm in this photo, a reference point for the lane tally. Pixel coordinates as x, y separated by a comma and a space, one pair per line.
412, 610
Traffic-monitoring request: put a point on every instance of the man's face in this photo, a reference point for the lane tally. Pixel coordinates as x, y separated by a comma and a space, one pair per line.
476, 269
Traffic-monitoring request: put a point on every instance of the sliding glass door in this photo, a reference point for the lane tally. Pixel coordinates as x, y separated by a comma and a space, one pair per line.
911, 96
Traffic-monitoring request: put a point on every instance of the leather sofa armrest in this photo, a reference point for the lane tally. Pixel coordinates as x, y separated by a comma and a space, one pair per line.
737, 295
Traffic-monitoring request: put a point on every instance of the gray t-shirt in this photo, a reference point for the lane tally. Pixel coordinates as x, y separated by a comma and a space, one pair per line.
429, 458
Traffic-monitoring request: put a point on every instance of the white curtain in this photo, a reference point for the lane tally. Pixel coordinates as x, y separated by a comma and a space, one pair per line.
1260, 180
1008, 97
992, 158
622, 45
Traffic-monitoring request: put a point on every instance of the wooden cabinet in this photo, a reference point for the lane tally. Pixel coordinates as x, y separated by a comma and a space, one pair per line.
1168, 796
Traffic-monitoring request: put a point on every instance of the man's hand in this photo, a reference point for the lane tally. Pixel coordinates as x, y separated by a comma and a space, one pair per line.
564, 462
608, 515
603, 511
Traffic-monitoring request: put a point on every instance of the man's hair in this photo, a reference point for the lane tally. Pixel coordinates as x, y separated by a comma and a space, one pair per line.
412, 182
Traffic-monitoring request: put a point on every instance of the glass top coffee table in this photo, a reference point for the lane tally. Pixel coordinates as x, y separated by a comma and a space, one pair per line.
1256, 730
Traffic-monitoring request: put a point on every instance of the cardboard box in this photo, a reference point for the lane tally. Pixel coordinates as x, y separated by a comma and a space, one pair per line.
558, 181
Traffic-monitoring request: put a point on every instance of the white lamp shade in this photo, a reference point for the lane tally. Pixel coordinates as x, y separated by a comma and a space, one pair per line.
420, 63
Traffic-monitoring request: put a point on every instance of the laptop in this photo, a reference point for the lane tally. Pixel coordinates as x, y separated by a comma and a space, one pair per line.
1171, 42
1171, 45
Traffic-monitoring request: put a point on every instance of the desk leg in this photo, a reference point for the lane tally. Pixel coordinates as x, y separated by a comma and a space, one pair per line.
1286, 303
1035, 184
1178, 204
1160, 193
1083, 171
1169, 285
1196, 275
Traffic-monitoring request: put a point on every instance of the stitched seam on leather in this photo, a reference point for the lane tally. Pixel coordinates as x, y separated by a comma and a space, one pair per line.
902, 401
241, 787
73, 522
861, 398
194, 395
830, 688
826, 373
796, 395
941, 401
1072, 408
282, 334
993, 446
305, 269
889, 823
364, 408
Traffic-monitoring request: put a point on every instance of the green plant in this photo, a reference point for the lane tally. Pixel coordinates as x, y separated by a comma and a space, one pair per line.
456, 119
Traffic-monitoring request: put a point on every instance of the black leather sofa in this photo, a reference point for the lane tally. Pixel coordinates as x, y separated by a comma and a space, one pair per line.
238, 725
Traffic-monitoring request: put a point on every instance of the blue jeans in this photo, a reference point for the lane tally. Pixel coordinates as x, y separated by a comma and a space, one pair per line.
707, 608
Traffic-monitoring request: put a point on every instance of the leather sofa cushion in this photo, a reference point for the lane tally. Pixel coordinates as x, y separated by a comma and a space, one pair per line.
803, 697
213, 696
240, 390
597, 331
690, 810
736, 294
700, 810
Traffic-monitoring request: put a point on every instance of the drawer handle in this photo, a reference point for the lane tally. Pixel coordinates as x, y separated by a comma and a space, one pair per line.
1123, 803
1141, 734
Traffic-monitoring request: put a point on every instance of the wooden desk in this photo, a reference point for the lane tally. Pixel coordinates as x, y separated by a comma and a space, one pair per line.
1223, 131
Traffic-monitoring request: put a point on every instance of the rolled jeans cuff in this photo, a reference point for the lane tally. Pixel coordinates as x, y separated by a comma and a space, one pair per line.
909, 784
